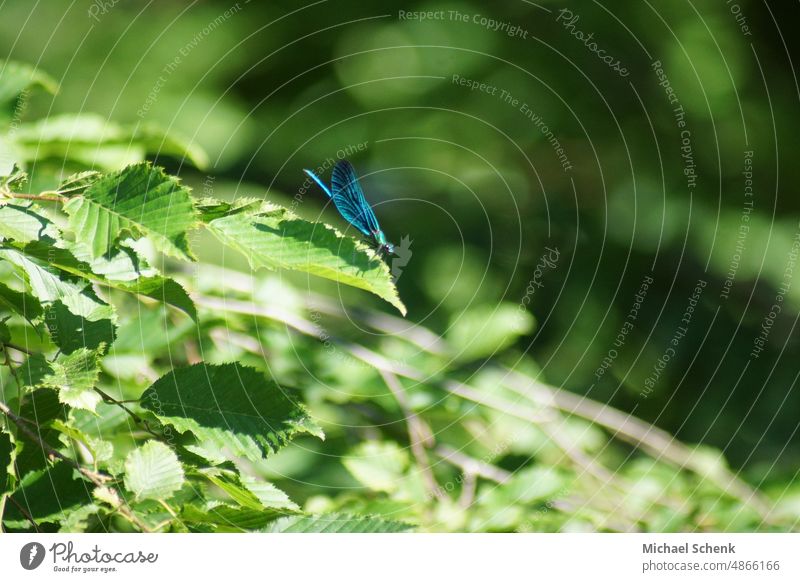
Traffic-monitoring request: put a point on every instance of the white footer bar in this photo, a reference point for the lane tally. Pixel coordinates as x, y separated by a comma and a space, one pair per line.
388, 557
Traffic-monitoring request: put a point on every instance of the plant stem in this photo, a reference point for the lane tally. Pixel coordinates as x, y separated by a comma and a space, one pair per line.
50, 196
419, 434
137, 419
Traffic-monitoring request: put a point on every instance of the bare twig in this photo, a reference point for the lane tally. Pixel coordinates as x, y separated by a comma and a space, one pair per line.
43, 197
97, 478
18, 348
470, 465
22, 424
655, 441
419, 434
24, 512
136, 418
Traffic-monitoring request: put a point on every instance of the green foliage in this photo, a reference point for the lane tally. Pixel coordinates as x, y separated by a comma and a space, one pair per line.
74, 377
140, 393
273, 237
335, 524
231, 410
93, 438
93, 140
139, 201
153, 471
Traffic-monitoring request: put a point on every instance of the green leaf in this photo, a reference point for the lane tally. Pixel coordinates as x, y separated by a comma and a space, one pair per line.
94, 141
125, 271
47, 496
211, 208
39, 406
23, 304
15, 78
153, 471
231, 409
99, 449
77, 520
5, 333
11, 178
6, 448
122, 266
485, 330
72, 332
227, 518
267, 494
21, 223
335, 523
378, 465
79, 182
47, 284
165, 290
248, 491
275, 238
139, 201
74, 377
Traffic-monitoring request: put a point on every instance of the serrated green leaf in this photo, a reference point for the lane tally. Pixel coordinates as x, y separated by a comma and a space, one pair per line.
139, 201
20, 222
77, 520
99, 449
23, 304
153, 471
232, 410
275, 238
79, 182
11, 178
335, 523
124, 271
47, 496
123, 265
211, 208
39, 406
267, 494
227, 518
42, 405
74, 377
165, 290
72, 332
249, 491
47, 284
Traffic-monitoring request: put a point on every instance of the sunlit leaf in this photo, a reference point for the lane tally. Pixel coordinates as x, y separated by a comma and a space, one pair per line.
275, 238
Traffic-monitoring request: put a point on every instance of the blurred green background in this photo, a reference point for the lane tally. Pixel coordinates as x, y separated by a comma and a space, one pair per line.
269, 88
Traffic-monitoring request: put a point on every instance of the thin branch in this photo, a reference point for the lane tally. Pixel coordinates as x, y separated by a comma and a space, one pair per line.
419, 434
22, 423
658, 443
99, 479
49, 196
136, 418
470, 465
24, 512
18, 348
654, 441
